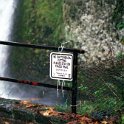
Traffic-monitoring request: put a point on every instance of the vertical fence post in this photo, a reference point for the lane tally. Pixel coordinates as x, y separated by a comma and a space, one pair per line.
75, 64
74, 82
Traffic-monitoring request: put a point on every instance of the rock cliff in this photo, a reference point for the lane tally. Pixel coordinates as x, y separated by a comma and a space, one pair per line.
95, 26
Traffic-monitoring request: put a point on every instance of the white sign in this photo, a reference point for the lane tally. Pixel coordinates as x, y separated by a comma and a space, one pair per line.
61, 66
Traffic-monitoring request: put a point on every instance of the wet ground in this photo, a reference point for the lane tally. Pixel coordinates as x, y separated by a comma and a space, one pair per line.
25, 112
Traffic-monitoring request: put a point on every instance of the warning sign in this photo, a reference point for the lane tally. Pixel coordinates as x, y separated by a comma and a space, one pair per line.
61, 66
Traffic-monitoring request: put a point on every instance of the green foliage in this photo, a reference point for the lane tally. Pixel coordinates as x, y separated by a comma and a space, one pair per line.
63, 108
102, 88
83, 88
108, 104
102, 101
86, 107
120, 56
37, 22
40, 21
120, 25
118, 13
122, 119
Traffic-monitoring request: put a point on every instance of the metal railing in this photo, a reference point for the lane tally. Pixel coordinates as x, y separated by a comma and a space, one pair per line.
75, 53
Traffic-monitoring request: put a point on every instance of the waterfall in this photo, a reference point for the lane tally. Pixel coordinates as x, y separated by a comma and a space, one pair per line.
9, 89
7, 8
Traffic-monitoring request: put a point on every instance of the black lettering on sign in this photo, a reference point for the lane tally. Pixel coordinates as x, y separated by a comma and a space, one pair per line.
61, 65
65, 67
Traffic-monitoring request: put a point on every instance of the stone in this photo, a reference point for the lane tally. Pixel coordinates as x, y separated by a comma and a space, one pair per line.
93, 30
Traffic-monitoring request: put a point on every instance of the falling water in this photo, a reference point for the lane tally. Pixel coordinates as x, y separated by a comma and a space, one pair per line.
8, 90
7, 8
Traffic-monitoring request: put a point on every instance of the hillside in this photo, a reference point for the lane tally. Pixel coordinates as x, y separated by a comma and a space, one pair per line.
92, 25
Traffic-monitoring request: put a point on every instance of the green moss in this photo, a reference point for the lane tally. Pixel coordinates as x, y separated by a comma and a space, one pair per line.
36, 22
40, 21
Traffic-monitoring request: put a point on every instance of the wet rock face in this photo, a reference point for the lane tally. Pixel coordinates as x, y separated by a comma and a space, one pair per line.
89, 24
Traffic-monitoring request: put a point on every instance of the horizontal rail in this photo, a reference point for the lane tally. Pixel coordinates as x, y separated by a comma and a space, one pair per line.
33, 83
40, 46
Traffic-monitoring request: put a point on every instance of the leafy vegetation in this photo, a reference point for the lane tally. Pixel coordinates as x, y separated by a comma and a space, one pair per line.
37, 22
118, 13
41, 22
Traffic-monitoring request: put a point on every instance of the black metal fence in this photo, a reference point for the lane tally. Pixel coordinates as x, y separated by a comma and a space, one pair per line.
38, 49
